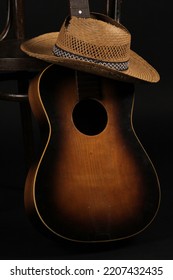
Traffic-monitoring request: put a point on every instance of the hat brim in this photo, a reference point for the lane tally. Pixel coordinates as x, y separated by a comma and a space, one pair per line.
41, 47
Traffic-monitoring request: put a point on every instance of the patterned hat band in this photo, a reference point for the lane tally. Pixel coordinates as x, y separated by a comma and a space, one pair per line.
119, 66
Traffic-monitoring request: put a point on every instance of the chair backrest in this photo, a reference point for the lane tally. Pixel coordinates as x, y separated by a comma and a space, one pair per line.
113, 9
15, 17
14, 20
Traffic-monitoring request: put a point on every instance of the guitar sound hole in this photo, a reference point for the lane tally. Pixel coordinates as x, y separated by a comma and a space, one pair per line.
90, 117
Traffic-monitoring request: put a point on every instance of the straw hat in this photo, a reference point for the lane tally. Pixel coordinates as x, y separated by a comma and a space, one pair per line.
98, 45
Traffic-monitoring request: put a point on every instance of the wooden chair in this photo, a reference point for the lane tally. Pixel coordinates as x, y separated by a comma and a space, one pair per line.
16, 66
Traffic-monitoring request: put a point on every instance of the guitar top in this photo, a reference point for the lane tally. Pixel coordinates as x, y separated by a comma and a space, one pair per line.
93, 180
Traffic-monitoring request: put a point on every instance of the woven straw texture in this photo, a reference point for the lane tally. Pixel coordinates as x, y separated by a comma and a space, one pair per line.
95, 39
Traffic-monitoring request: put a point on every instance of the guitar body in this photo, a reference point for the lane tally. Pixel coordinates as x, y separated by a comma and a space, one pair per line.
93, 181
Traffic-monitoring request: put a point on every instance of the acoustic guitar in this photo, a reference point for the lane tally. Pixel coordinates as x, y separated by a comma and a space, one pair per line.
93, 180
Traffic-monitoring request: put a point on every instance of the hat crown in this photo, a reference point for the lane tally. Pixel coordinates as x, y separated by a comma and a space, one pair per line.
95, 38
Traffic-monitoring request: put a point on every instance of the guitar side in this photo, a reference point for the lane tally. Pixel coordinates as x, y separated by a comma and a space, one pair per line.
89, 188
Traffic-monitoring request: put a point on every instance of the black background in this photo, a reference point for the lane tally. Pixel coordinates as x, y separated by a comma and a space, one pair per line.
150, 24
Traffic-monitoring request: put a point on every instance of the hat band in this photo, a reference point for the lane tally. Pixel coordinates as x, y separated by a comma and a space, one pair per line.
119, 66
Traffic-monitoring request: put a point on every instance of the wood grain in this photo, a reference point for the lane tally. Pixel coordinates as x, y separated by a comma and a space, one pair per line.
89, 188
